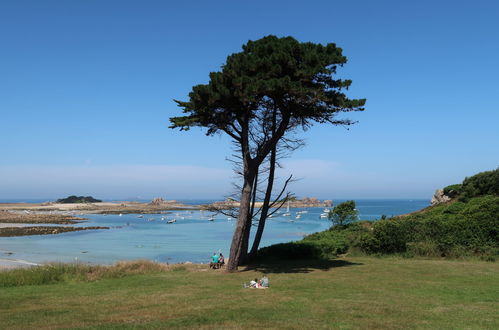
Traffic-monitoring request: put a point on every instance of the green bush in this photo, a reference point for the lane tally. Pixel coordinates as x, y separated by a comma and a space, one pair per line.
481, 184
454, 189
455, 230
323, 245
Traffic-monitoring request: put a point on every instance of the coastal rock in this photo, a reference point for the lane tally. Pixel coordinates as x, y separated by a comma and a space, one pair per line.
439, 197
160, 201
307, 202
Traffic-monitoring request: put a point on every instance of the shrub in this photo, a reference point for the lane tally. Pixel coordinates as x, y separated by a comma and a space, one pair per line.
455, 230
481, 184
323, 245
453, 190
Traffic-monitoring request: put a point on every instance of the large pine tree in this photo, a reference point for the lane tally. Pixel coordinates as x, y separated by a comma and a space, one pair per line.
271, 88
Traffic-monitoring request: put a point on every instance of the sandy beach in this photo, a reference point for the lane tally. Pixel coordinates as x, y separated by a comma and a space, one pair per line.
6, 264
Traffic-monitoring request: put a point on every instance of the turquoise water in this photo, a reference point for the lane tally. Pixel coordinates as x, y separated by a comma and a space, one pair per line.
191, 238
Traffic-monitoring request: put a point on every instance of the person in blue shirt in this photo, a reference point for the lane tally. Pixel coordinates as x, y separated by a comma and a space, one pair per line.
214, 261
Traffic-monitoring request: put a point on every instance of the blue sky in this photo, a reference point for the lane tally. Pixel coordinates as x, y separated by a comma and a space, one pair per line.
86, 90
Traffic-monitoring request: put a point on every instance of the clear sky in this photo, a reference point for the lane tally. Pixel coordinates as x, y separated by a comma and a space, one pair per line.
86, 90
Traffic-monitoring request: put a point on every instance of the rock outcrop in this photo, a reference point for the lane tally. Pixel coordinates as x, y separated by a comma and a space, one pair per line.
161, 201
439, 197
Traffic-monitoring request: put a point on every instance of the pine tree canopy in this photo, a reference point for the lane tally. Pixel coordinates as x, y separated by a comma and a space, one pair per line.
294, 79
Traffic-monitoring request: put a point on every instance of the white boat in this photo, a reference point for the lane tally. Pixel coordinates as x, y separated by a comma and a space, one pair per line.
287, 214
140, 216
323, 215
326, 210
298, 216
211, 219
171, 221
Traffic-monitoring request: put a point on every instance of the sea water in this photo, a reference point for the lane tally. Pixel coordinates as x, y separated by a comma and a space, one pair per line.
193, 237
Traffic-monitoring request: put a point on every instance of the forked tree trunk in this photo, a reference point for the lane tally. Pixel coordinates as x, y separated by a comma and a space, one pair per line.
243, 223
265, 207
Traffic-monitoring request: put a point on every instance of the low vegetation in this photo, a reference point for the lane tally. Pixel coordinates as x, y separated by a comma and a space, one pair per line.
360, 292
77, 272
481, 184
78, 199
467, 226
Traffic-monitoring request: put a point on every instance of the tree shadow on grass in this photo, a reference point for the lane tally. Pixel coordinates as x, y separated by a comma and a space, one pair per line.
297, 266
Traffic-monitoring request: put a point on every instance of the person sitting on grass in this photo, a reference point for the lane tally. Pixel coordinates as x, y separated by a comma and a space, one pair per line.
264, 282
221, 260
214, 262
254, 283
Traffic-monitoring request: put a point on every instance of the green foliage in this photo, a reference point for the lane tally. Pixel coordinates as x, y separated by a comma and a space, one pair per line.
458, 229
323, 245
78, 199
453, 189
343, 213
481, 184
282, 70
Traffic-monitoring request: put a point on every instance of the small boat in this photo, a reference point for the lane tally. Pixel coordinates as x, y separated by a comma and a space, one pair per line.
287, 214
171, 221
140, 216
121, 214
163, 218
211, 219
326, 210
298, 216
324, 215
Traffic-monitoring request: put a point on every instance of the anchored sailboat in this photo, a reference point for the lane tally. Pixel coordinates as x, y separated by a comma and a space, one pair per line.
287, 214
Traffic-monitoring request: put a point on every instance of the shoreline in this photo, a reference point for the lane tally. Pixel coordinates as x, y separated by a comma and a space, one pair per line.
8, 264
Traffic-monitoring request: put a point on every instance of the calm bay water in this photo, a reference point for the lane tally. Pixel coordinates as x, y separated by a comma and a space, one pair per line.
191, 238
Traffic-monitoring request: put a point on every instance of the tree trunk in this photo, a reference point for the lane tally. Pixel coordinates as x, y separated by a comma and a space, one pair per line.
268, 193
237, 245
247, 231
265, 207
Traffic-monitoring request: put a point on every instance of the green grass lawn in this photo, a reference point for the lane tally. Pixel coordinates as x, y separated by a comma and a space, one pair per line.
360, 292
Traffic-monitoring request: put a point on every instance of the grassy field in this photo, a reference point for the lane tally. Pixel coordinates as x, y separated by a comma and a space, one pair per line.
360, 292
